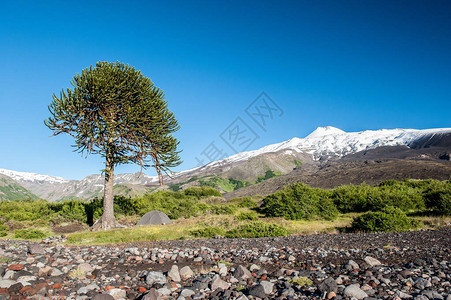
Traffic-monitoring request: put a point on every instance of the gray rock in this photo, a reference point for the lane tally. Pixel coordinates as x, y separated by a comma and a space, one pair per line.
9, 275
352, 265
36, 249
403, 295
186, 273
354, 290
155, 277
242, 297
217, 282
164, 292
422, 283
86, 268
5, 283
103, 297
151, 295
432, 295
257, 291
56, 272
371, 261
268, 286
328, 285
174, 274
242, 273
117, 293
82, 290
254, 267
187, 293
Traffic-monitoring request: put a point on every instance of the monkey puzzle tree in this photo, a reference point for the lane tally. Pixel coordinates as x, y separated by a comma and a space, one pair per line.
115, 111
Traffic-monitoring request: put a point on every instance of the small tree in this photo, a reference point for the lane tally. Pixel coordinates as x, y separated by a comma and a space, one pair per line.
115, 111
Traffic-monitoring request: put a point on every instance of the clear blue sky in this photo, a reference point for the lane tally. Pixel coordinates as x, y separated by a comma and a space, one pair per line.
354, 65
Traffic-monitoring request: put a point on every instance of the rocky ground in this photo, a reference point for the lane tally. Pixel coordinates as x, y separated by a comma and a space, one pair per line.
409, 265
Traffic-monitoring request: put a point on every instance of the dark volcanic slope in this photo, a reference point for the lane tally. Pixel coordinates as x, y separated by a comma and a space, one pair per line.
370, 167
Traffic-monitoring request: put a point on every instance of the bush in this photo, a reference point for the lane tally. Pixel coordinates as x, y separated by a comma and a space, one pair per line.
438, 198
299, 201
247, 216
200, 192
73, 210
174, 204
268, 174
226, 209
244, 202
388, 219
25, 210
207, 232
28, 234
406, 195
3, 230
257, 229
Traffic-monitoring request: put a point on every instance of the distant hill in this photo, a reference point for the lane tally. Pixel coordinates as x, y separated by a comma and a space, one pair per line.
11, 190
325, 158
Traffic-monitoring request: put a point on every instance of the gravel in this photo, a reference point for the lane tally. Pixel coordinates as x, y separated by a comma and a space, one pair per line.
408, 265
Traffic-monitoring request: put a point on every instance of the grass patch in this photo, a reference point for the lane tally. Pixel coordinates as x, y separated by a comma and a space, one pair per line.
29, 234
5, 259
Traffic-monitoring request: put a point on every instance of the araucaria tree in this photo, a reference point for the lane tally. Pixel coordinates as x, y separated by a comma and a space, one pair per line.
115, 111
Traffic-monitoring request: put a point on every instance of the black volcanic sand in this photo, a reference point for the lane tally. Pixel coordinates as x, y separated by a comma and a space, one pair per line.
408, 265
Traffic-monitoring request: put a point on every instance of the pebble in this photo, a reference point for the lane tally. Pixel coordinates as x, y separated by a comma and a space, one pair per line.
335, 268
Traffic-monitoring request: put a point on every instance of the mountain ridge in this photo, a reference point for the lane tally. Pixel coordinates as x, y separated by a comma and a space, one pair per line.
323, 144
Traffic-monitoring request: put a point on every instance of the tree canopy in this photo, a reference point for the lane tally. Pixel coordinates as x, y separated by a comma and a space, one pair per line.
115, 111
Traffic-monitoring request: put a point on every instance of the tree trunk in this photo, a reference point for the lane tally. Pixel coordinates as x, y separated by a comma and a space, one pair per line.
108, 220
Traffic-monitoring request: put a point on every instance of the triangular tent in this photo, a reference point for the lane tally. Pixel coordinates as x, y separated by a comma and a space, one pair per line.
154, 217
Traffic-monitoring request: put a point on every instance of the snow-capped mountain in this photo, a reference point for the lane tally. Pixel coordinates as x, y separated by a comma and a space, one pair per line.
323, 144
56, 188
330, 142
32, 177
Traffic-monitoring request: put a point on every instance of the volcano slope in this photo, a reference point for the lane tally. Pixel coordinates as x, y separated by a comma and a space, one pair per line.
371, 167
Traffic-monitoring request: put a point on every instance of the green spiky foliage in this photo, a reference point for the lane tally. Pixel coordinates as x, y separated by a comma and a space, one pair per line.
115, 111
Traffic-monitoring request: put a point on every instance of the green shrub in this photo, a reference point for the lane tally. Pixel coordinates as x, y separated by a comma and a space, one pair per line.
224, 209
388, 219
73, 210
257, 229
247, 216
200, 192
438, 198
24, 210
207, 232
299, 201
244, 202
28, 234
3, 230
227, 185
351, 198
301, 281
361, 198
268, 174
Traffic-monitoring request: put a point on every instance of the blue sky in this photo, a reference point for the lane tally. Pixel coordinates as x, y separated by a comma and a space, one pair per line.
355, 65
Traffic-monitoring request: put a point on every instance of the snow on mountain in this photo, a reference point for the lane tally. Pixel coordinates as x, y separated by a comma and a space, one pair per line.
330, 142
323, 143
322, 131
32, 177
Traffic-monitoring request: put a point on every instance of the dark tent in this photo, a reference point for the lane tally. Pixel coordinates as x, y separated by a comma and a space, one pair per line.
154, 217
